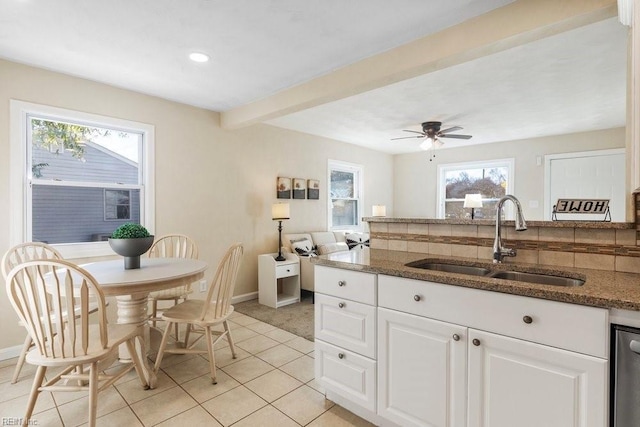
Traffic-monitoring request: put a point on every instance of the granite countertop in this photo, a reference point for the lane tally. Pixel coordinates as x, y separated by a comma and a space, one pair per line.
607, 289
492, 222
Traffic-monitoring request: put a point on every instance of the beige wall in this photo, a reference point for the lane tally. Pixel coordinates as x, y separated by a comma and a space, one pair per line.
215, 185
415, 188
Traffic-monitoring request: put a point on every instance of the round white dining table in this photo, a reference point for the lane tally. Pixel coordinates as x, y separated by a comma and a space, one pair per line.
131, 287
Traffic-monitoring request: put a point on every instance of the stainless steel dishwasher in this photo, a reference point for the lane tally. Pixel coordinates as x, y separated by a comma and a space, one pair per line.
625, 377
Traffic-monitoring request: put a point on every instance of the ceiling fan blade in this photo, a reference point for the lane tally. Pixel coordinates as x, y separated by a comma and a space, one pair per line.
456, 136
414, 131
408, 137
451, 129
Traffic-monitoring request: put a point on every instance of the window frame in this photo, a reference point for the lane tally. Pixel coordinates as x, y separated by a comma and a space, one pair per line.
509, 163
20, 177
105, 190
358, 171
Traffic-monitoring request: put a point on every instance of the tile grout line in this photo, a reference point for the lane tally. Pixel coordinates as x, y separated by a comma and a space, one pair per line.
174, 382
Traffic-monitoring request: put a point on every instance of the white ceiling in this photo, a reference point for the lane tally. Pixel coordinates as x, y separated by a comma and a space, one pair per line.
571, 82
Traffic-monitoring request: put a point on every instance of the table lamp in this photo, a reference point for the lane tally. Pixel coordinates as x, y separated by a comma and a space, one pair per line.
280, 212
379, 210
472, 201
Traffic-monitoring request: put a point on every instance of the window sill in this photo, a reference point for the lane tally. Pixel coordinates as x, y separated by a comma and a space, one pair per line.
84, 250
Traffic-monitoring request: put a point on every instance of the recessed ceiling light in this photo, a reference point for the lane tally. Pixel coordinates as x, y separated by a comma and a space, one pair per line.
198, 57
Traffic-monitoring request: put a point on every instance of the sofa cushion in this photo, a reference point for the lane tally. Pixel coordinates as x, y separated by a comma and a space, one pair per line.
332, 247
288, 239
339, 235
357, 240
323, 237
303, 247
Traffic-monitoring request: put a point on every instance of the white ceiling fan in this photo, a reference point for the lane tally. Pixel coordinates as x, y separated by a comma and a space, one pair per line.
431, 133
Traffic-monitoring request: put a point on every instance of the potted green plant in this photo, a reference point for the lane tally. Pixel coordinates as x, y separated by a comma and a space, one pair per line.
131, 240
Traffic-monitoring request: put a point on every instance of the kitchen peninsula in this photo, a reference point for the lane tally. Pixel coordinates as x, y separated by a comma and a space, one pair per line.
409, 346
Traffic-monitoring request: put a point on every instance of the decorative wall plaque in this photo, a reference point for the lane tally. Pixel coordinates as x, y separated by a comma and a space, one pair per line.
582, 206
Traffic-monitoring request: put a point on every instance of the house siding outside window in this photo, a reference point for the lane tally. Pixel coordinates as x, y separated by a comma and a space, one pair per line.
79, 189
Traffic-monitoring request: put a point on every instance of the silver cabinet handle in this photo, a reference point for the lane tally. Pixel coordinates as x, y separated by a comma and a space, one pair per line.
417, 298
635, 346
476, 342
527, 319
341, 305
340, 355
456, 337
342, 283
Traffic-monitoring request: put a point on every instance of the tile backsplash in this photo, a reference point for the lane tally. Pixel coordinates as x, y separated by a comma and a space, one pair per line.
607, 246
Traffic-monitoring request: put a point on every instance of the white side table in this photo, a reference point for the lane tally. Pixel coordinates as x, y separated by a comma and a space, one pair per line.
278, 281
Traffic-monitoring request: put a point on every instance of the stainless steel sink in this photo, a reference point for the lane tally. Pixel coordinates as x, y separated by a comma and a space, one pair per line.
537, 278
450, 268
541, 279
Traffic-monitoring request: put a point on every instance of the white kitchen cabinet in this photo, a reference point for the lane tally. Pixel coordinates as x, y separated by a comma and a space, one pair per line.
347, 374
515, 382
347, 324
450, 356
345, 336
422, 370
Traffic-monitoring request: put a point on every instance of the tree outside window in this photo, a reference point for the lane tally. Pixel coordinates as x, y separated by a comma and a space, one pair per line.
491, 179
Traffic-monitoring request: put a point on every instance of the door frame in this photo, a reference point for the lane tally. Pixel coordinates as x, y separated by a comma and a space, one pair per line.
548, 204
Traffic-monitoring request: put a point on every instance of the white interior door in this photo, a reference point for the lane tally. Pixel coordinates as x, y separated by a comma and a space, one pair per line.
595, 174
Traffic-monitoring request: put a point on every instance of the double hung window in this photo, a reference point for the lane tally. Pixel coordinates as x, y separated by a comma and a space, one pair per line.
345, 195
491, 179
83, 175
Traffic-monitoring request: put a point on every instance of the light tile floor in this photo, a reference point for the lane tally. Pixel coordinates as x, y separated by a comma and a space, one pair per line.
271, 383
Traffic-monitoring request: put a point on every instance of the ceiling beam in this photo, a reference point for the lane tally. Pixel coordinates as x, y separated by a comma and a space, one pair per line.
513, 25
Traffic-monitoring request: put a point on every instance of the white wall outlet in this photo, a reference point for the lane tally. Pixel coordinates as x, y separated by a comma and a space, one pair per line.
203, 285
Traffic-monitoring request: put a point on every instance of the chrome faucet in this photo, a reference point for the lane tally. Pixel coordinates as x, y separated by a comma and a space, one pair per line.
500, 252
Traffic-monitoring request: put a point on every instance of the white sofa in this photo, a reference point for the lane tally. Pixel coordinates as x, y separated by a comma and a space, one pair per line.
321, 242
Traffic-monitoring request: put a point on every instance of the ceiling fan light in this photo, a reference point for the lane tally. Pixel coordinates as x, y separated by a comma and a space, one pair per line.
426, 144
198, 57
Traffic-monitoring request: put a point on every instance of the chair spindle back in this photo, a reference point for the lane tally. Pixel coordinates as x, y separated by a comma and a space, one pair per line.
38, 291
224, 282
24, 252
174, 246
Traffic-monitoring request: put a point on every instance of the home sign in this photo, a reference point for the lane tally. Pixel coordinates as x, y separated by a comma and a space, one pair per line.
582, 206
592, 206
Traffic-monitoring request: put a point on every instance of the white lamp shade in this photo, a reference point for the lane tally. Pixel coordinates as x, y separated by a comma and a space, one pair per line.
280, 211
379, 210
473, 200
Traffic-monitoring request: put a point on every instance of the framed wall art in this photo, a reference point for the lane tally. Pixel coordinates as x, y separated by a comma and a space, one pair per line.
283, 188
313, 189
299, 188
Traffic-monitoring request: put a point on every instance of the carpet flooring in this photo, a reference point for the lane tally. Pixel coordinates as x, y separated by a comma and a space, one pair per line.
295, 318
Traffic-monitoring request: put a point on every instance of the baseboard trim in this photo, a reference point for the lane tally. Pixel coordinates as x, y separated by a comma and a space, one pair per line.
10, 352
244, 297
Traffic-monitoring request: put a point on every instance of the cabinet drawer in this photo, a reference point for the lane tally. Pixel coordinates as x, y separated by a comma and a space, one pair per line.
347, 324
346, 373
563, 325
348, 284
287, 270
